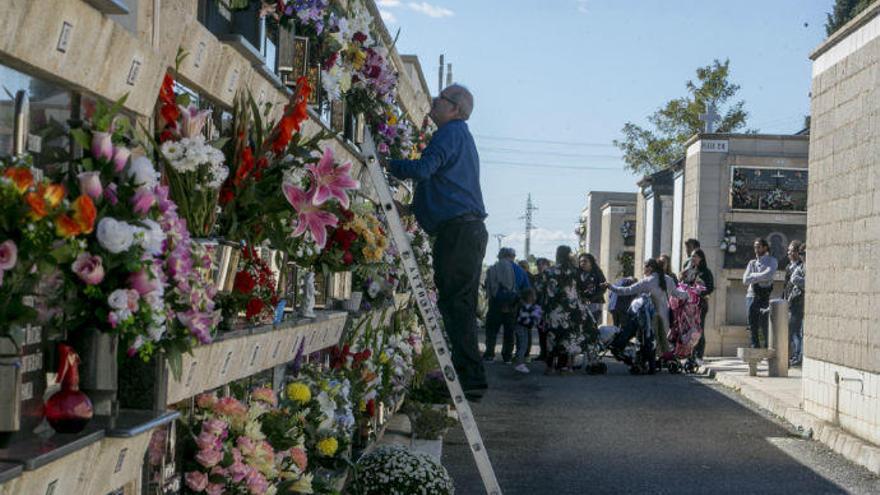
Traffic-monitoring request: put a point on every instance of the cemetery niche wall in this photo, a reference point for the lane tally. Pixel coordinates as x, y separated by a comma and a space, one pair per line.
737, 254
768, 189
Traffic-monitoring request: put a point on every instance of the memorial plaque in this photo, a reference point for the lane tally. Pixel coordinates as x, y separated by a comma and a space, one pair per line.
777, 235
769, 189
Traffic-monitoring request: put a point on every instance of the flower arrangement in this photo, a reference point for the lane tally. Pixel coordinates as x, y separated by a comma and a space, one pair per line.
39, 228
393, 470
227, 451
194, 168
359, 241
253, 290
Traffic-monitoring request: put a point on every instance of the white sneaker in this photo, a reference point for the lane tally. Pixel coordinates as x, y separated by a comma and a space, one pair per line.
522, 368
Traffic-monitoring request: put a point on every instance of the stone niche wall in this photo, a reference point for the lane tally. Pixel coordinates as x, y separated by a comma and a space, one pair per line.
843, 219
842, 326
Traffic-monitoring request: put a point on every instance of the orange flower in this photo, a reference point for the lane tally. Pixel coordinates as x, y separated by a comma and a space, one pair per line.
84, 214
37, 204
66, 226
21, 177
53, 193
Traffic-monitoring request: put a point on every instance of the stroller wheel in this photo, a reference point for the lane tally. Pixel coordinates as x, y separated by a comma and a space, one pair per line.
690, 367
635, 370
674, 367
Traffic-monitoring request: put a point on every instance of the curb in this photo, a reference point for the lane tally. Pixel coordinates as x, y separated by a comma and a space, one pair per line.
849, 446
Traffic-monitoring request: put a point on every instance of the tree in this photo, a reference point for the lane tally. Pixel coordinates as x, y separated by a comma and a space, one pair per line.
646, 151
842, 12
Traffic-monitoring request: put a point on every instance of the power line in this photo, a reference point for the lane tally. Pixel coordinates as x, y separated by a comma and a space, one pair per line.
546, 166
546, 153
543, 141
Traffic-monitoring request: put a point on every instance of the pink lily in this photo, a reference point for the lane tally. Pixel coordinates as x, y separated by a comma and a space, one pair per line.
331, 181
309, 216
192, 120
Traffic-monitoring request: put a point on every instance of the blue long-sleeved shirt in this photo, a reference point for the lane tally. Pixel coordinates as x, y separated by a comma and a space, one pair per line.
447, 177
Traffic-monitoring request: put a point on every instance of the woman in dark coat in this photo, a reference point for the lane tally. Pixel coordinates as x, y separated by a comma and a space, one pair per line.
565, 315
698, 272
590, 288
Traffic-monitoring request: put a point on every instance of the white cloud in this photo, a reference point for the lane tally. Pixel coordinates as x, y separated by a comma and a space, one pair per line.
582, 6
543, 235
388, 17
388, 3
431, 10
543, 244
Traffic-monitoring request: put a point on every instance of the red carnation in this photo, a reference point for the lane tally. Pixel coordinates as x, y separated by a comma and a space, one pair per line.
254, 307
244, 283
371, 407
226, 194
360, 37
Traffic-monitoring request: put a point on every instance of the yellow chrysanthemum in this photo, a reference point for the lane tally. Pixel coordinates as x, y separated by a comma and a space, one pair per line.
383, 357
328, 446
299, 392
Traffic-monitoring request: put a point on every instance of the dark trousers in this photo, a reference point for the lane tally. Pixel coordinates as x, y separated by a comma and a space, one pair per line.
542, 342
700, 348
796, 329
759, 317
495, 320
458, 252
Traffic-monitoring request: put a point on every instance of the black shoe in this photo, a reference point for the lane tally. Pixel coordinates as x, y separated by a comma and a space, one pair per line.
474, 395
489, 359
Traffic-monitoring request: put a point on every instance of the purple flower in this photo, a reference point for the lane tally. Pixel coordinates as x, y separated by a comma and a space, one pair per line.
89, 268
110, 194
143, 200
102, 145
238, 470
193, 120
90, 184
199, 324
8, 255
143, 282
120, 158
216, 427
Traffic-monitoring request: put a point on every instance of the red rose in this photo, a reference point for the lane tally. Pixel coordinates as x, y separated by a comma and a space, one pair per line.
244, 282
347, 258
360, 37
371, 407
226, 195
254, 307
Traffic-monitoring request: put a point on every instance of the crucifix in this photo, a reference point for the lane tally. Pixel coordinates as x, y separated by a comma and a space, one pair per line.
710, 119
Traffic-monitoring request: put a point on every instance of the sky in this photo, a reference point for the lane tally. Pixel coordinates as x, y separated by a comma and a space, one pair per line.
555, 81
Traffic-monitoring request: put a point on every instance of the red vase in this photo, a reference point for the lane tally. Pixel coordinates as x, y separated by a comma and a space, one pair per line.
69, 410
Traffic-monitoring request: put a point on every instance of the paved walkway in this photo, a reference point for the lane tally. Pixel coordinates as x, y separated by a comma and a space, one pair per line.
639, 434
782, 397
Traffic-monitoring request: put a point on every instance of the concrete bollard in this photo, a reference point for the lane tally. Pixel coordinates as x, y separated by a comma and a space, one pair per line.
777, 364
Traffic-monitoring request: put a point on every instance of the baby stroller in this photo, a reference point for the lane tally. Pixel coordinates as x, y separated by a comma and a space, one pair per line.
634, 343
686, 329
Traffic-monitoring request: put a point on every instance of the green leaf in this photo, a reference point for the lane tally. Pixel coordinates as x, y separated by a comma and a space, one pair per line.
175, 363
81, 137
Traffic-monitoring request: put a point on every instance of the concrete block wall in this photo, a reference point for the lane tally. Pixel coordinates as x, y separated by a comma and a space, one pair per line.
842, 326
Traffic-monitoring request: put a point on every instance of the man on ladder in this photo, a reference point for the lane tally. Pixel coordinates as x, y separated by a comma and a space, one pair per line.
448, 204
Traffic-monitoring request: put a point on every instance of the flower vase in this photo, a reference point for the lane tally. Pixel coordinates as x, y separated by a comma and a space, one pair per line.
353, 303
10, 385
228, 256
99, 378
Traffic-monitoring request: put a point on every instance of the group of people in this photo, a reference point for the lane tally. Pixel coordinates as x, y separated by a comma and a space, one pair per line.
563, 303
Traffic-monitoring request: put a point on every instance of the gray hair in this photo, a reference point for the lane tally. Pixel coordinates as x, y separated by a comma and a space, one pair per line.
462, 98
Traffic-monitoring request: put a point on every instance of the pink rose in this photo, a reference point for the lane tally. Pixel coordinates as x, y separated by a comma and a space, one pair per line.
256, 483
196, 481
120, 158
215, 427
143, 200
238, 471
247, 446
8, 255
209, 457
102, 145
90, 184
89, 268
214, 489
143, 282
207, 441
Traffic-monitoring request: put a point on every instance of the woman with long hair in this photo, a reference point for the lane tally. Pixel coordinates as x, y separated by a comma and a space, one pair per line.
564, 315
590, 288
660, 287
698, 272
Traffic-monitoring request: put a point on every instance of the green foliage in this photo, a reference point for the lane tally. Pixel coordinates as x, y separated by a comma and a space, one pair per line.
648, 150
842, 12
428, 422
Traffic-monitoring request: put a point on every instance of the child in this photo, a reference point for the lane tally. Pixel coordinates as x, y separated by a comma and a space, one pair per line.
527, 318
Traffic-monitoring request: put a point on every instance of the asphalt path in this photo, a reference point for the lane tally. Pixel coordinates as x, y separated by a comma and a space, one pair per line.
619, 433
